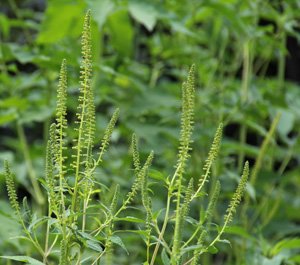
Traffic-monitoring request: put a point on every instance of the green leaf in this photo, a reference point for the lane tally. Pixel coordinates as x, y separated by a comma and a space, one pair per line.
144, 13
121, 32
6, 118
277, 260
237, 230
4, 25
212, 250
180, 27
295, 259
156, 214
14, 102
251, 191
29, 260
286, 123
230, 147
201, 194
38, 114
26, 212
37, 222
89, 241
164, 257
86, 236
63, 16
155, 174
191, 220
100, 10
118, 241
139, 232
130, 219
22, 54
224, 241
191, 248
230, 15
286, 244
94, 245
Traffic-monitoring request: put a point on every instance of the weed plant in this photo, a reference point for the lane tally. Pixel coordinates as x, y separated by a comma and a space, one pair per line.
80, 229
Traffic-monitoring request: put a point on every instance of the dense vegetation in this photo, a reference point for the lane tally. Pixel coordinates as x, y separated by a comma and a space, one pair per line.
141, 54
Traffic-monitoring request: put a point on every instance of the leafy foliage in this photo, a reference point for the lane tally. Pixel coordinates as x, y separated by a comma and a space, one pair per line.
66, 201
245, 53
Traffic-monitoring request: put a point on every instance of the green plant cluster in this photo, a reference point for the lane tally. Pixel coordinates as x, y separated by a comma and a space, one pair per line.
84, 232
245, 53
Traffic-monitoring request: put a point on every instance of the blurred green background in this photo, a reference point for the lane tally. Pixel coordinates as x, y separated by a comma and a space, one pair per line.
247, 56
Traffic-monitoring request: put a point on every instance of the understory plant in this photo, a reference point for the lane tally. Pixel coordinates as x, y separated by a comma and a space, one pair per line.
80, 226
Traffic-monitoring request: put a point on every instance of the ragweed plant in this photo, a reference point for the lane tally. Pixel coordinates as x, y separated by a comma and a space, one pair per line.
76, 233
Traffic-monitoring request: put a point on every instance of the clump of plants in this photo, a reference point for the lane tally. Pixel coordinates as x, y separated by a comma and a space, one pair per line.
78, 228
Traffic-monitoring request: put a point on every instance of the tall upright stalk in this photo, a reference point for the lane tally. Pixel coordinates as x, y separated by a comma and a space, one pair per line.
37, 193
244, 97
84, 101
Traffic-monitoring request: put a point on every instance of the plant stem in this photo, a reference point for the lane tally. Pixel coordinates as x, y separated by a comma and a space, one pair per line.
61, 166
47, 238
79, 146
176, 242
286, 160
192, 237
220, 233
99, 257
263, 149
31, 172
244, 98
259, 161
85, 205
32, 239
162, 232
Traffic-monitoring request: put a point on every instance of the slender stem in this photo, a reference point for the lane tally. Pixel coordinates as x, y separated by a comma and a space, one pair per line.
263, 149
31, 172
155, 74
52, 245
99, 257
189, 261
219, 234
79, 143
162, 239
47, 238
203, 181
108, 220
78, 262
242, 140
85, 205
148, 244
36, 244
244, 98
285, 161
33, 240
258, 162
176, 243
165, 223
272, 212
49, 93
193, 236
162, 232
61, 166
